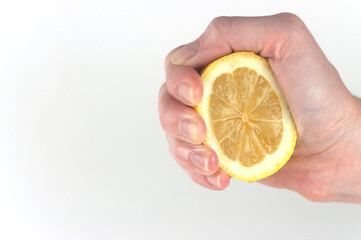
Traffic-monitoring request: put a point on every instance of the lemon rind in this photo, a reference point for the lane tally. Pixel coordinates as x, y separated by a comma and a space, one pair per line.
272, 162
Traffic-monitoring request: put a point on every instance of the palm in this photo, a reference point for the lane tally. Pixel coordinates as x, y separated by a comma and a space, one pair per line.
318, 112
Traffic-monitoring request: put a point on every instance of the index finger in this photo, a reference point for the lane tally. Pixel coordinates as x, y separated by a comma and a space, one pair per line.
183, 82
267, 36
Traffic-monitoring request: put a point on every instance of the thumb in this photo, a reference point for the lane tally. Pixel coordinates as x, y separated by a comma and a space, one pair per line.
267, 36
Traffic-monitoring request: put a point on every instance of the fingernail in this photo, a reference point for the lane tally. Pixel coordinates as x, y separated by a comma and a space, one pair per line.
200, 160
185, 53
216, 179
186, 93
188, 129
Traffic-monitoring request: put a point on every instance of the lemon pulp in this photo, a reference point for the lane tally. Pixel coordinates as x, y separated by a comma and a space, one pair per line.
248, 121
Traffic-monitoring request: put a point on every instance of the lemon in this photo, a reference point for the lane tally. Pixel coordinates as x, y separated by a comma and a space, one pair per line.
248, 121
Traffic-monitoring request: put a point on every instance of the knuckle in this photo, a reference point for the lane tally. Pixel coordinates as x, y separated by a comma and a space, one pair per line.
166, 60
290, 17
161, 89
289, 36
217, 21
171, 145
219, 24
164, 118
217, 31
294, 28
292, 25
162, 123
162, 105
200, 180
173, 148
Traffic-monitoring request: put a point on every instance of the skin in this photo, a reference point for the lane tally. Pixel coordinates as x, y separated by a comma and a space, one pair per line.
326, 164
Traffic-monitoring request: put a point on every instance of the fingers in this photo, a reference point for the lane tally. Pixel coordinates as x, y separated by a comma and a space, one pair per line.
183, 83
185, 131
281, 36
180, 121
218, 181
198, 159
268, 36
200, 163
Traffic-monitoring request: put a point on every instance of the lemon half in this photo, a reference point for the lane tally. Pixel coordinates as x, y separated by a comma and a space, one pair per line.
248, 121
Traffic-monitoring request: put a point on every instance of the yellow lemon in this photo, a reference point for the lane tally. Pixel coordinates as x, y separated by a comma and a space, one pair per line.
248, 121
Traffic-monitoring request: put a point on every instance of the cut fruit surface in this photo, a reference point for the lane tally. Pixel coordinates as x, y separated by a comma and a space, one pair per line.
249, 124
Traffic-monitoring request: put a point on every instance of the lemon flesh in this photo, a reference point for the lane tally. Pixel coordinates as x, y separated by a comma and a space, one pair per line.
248, 121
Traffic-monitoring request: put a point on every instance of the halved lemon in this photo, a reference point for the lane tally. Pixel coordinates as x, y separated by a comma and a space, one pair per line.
248, 121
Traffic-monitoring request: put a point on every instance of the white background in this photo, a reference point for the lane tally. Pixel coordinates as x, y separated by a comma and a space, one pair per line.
82, 154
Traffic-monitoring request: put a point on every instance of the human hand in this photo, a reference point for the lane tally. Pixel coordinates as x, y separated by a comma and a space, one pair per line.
326, 164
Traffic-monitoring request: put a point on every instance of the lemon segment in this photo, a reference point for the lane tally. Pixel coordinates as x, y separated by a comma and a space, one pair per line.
248, 121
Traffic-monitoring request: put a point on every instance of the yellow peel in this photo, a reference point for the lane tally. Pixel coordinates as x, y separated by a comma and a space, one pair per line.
271, 161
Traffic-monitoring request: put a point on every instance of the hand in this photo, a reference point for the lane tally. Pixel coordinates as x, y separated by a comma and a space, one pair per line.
326, 164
